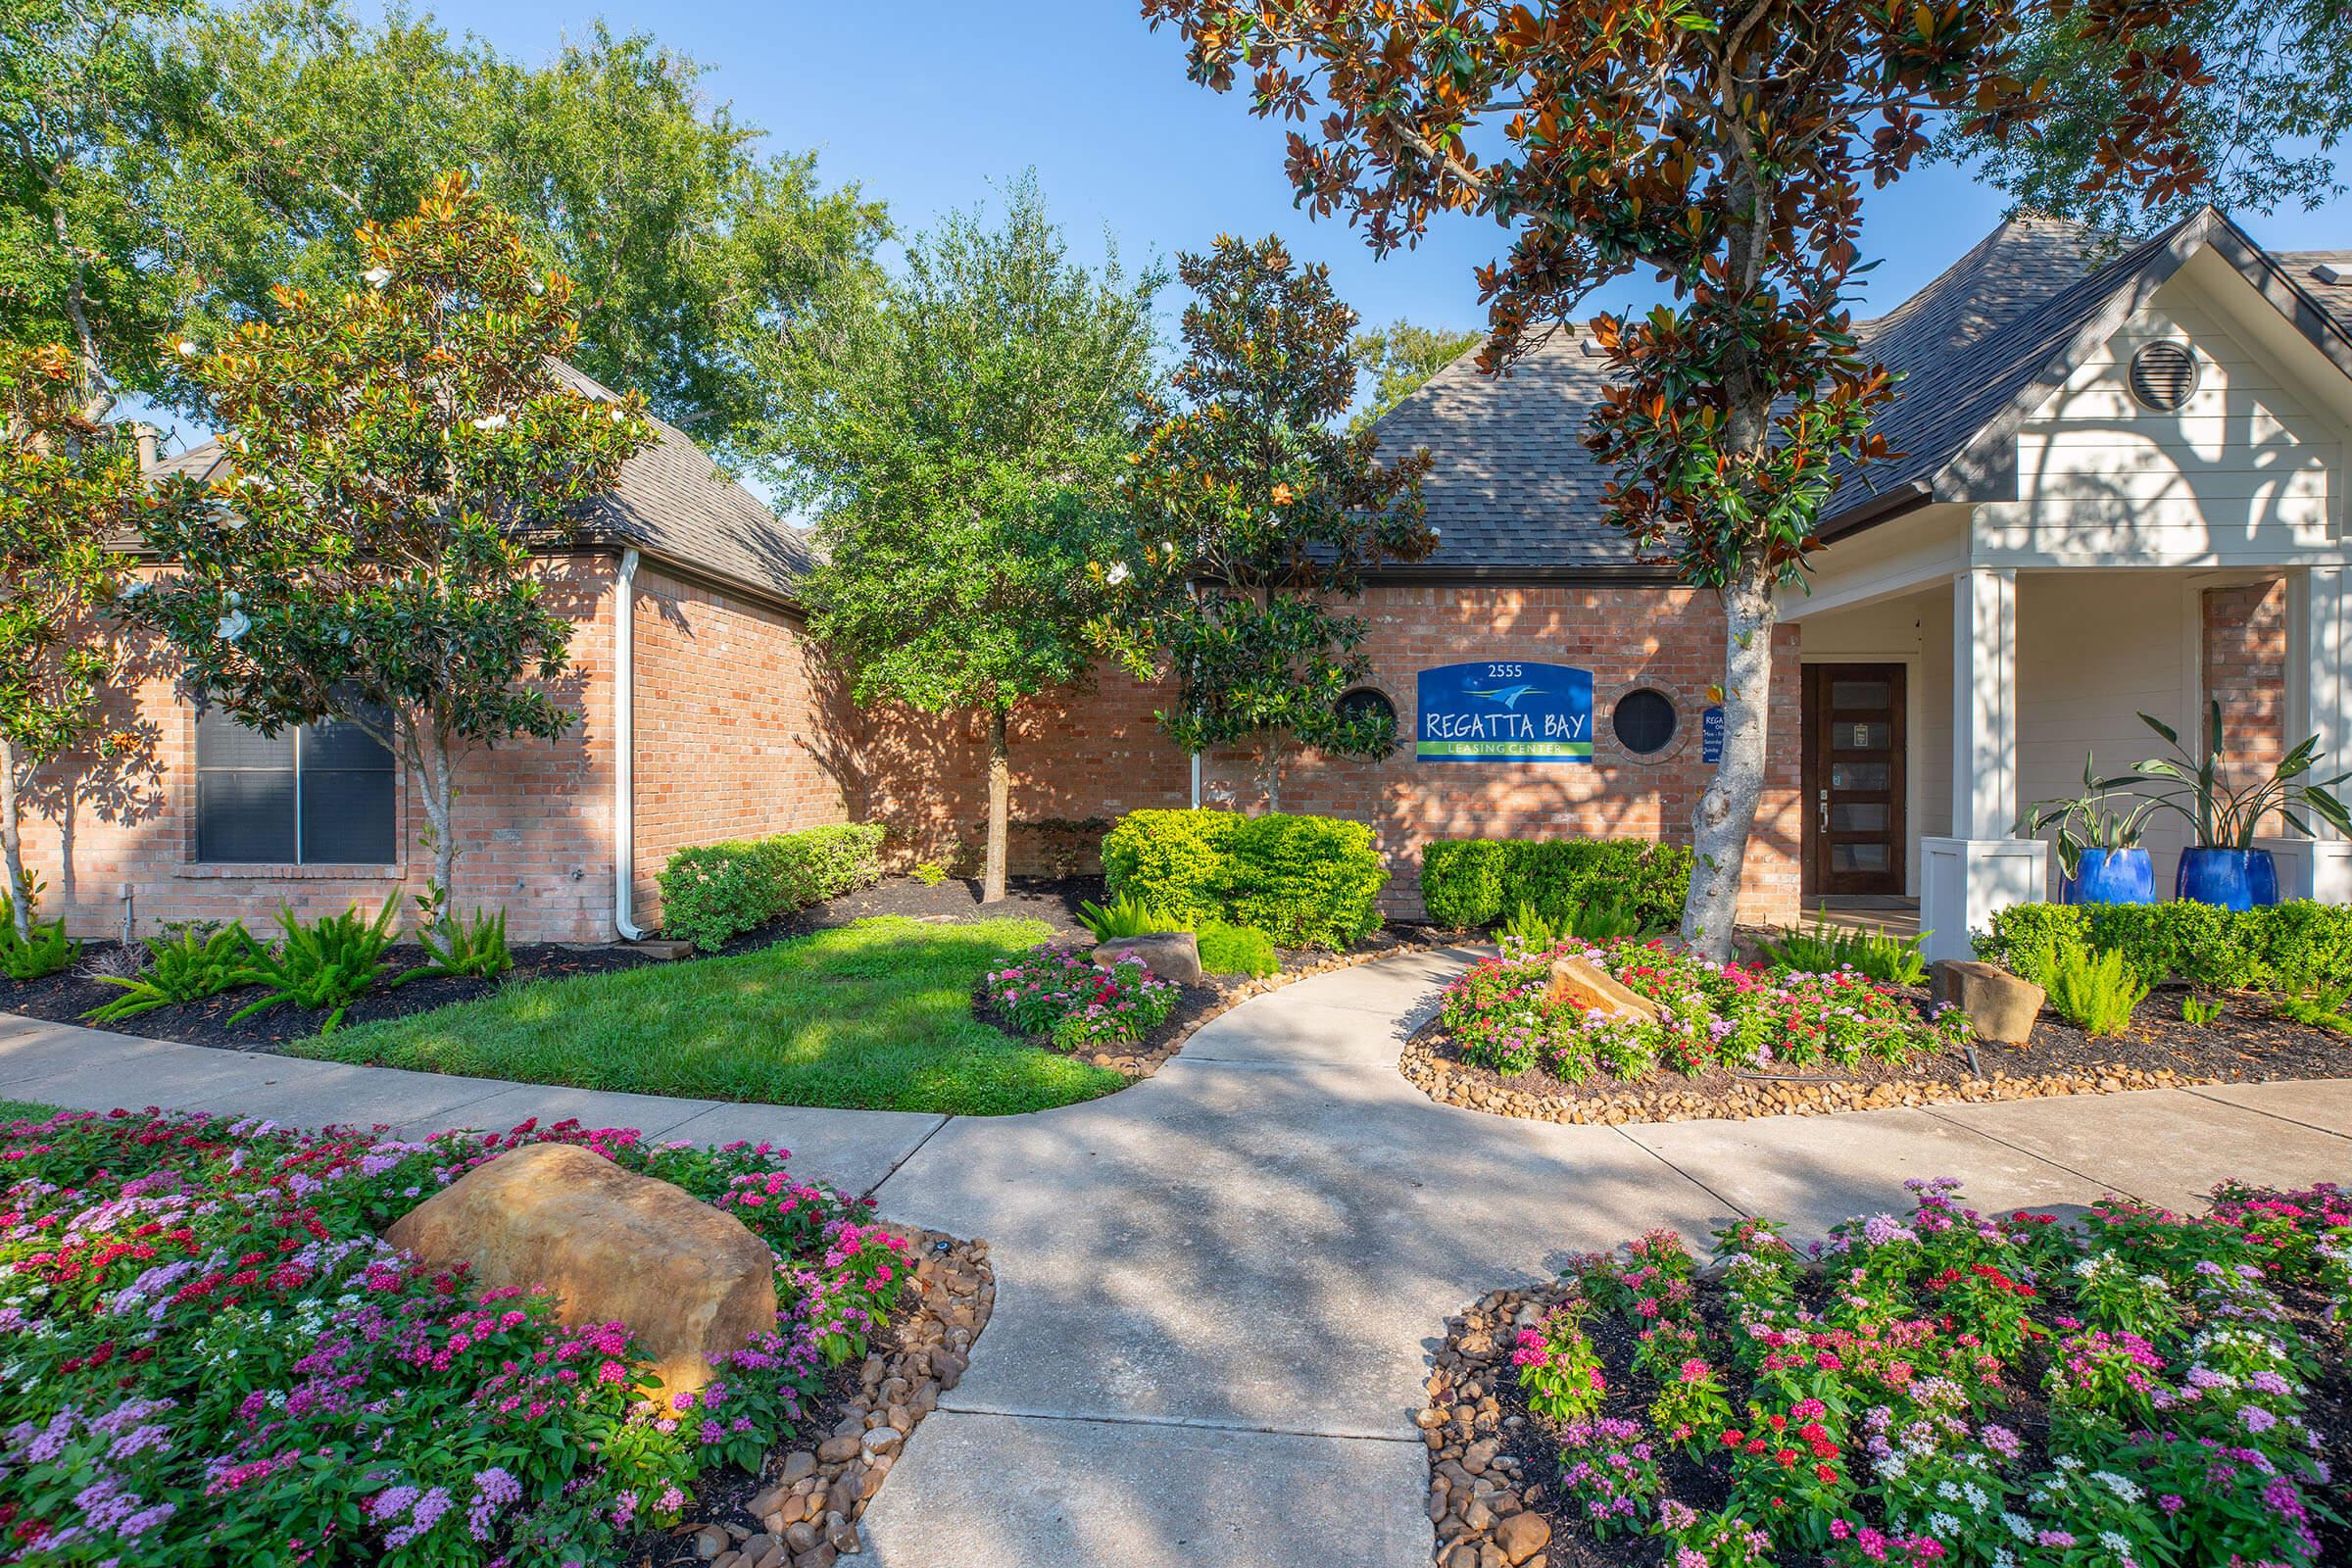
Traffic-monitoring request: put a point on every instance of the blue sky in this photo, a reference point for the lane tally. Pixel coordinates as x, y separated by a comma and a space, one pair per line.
926, 103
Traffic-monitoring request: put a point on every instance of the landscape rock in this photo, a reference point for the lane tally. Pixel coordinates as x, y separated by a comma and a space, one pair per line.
1522, 1536
1584, 985
1170, 955
692, 1284
2000, 1006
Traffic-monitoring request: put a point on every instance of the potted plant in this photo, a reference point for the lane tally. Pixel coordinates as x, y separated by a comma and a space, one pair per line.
2099, 857
2223, 866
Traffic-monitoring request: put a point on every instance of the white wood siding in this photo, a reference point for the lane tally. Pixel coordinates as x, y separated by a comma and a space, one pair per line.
2244, 472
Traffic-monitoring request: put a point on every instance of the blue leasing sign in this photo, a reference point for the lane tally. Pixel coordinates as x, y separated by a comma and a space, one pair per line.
1710, 735
1504, 711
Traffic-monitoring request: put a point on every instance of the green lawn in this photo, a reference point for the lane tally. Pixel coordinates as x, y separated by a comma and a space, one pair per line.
25, 1110
875, 1015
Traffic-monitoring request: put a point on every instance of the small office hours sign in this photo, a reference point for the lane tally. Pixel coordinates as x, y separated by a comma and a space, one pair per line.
1504, 711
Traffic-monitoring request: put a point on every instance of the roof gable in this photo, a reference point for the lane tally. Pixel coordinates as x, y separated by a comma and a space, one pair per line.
1978, 349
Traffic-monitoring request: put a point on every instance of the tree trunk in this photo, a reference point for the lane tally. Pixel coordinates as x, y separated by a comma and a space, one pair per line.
1269, 772
437, 781
1000, 809
11, 844
1727, 812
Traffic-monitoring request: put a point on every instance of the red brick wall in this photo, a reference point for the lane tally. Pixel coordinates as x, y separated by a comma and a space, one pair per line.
742, 728
2245, 669
1101, 755
536, 820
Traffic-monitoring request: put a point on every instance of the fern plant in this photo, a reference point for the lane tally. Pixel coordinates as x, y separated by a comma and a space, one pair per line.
1826, 949
1602, 920
324, 966
2199, 1013
2096, 993
1127, 916
2321, 1007
474, 949
1527, 927
45, 951
189, 962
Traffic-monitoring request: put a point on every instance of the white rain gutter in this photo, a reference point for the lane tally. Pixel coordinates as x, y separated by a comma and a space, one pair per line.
625, 749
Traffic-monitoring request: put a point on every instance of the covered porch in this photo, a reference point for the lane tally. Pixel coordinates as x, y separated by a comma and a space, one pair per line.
1932, 714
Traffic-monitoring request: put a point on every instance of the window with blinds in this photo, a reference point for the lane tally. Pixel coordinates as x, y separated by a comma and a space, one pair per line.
317, 794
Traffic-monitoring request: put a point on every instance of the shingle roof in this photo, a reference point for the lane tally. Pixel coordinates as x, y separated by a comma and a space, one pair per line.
1514, 492
2326, 276
671, 502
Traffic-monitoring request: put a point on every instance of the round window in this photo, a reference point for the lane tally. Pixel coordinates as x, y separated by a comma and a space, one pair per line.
1365, 701
2164, 376
1643, 722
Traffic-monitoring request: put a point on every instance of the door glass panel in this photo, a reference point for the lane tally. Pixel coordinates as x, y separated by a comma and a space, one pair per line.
1864, 694
1857, 857
1872, 737
1857, 818
1860, 775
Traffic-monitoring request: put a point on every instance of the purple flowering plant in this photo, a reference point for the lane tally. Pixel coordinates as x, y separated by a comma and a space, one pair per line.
1064, 995
208, 1355
1948, 1388
1715, 1015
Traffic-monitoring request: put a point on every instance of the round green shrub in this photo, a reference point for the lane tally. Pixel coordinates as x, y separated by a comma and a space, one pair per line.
1227, 949
1305, 881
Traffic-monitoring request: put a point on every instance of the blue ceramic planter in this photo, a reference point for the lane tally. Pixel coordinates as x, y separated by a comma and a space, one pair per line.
2111, 876
2235, 879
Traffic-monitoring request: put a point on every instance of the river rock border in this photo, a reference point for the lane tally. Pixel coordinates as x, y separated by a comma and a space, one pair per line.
804, 1513
1484, 1511
1449, 1085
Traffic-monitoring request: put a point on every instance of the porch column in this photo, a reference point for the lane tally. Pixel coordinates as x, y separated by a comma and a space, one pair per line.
1984, 704
1980, 867
2319, 702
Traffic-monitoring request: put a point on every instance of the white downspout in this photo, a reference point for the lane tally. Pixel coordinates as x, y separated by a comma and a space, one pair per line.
1195, 781
625, 749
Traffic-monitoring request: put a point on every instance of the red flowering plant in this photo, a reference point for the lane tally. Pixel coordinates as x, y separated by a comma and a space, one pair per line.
1559, 1368
211, 1357
1062, 994
1949, 1389
1714, 1016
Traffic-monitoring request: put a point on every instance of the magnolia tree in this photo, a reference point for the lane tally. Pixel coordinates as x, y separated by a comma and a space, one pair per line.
392, 455
961, 436
1252, 514
1721, 146
69, 487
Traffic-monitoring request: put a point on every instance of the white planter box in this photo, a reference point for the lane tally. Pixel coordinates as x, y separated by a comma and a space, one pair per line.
1963, 881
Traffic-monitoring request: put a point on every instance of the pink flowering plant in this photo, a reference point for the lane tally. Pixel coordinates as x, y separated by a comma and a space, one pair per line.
1064, 995
210, 1356
1731, 1016
1947, 1389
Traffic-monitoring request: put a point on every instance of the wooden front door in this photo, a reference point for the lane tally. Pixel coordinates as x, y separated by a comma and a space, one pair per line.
1853, 773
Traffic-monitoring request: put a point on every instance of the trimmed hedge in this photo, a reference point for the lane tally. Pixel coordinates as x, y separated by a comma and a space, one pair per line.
1475, 882
2293, 947
1305, 881
719, 891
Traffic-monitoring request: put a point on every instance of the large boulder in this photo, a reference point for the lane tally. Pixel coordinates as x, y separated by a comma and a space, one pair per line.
691, 1283
1170, 955
2000, 1006
1582, 984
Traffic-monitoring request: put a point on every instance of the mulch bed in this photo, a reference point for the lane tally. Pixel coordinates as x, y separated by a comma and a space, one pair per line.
2248, 1043
63, 997
803, 1509
1485, 1446
1214, 996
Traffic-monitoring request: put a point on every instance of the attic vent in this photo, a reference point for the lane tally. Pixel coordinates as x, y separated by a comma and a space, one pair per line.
2164, 376
2329, 273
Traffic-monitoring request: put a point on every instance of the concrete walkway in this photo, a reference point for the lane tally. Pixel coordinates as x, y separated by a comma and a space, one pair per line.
1217, 1291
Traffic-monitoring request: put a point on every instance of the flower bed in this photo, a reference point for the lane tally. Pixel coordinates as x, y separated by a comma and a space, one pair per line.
1716, 1016
1064, 995
1946, 1388
209, 1356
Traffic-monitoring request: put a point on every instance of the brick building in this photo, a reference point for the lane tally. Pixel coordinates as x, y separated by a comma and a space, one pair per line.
2121, 489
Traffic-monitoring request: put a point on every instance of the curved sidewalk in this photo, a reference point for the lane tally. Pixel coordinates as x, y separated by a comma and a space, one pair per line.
1217, 1290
